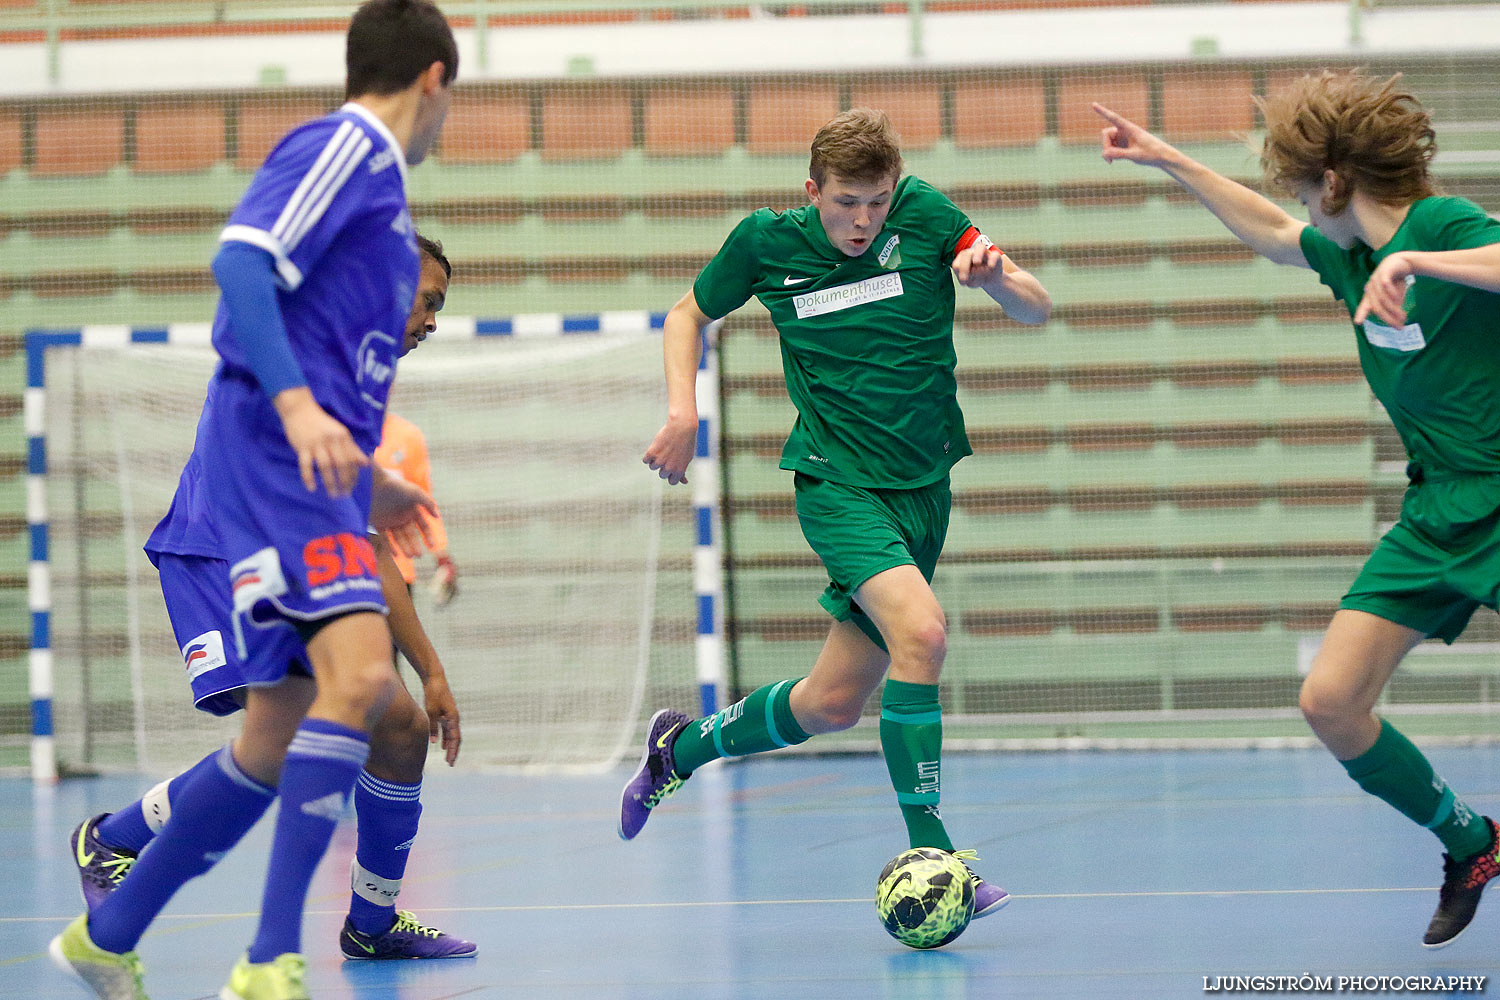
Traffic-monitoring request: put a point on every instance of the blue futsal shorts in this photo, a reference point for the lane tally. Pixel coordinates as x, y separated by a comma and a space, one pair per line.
196, 590
294, 554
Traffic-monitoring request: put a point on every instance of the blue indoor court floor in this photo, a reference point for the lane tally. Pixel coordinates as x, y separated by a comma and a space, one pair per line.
1134, 874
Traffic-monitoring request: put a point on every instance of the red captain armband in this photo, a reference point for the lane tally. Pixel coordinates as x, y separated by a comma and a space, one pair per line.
972, 236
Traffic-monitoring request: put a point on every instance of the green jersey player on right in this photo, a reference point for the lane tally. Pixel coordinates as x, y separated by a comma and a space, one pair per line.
1355, 151
859, 284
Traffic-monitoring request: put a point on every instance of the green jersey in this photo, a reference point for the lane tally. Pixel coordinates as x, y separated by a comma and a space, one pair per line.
1439, 376
866, 342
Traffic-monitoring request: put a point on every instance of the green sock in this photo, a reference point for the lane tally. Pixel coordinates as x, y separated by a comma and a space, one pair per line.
760, 721
911, 736
1395, 771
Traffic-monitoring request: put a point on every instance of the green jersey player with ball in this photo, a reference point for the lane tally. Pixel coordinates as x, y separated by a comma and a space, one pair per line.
859, 284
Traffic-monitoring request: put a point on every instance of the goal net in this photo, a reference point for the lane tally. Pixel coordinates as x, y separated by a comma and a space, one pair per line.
560, 626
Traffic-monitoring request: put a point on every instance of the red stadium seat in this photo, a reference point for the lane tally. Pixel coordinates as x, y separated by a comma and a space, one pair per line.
999, 111
1206, 104
916, 109
1125, 93
264, 120
78, 142
585, 123
486, 127
689, 120
784, 117
10, 139
179, 135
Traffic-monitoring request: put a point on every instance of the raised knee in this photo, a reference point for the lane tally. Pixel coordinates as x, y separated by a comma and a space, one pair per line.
830, 711
928, 638
1322, 704
840, 716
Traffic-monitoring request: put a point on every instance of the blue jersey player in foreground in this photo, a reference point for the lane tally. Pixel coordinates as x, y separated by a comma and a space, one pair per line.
387, 793
318, 268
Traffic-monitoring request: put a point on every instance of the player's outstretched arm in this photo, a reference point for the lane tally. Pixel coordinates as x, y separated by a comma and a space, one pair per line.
682, 345
1385, 292
1256, 221
411, 638
1018, 292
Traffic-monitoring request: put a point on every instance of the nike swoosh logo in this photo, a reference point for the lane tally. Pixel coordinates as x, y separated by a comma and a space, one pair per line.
84, 859
661, 742
369, 948
789, 280
896, 885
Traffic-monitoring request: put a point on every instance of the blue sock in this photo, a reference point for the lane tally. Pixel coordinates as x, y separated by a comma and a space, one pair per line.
215, 808
388, 815
135, 826
321, 765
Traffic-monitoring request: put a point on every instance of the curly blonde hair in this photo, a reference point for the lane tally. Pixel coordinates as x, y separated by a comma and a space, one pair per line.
859, 145
1374, 136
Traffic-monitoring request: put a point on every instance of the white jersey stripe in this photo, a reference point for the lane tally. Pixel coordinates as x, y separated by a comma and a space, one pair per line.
332, 179
356, 156
294, 203
333, 176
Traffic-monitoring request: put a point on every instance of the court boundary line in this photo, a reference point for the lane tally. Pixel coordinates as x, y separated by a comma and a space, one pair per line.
703, 904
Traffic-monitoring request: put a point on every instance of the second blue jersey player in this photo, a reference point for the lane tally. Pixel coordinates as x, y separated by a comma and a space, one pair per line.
317, 267
387, 795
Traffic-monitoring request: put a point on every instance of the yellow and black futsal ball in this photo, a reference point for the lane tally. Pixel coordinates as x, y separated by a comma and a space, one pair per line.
924, 897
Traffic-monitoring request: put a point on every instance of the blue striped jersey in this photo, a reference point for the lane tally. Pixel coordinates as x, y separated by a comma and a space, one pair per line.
329, 205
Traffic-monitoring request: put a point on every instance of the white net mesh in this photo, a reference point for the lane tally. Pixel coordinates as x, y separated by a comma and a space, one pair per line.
555, 529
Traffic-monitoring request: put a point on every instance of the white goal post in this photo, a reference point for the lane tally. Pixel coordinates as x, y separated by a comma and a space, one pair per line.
576, 610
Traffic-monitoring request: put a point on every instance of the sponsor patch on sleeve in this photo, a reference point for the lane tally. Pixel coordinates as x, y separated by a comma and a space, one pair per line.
204, 653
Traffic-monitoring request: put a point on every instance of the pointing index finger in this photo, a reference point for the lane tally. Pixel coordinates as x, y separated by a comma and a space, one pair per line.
1107, 114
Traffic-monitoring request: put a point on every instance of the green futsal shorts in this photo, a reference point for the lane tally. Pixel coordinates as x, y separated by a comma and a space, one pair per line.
1440, 562
859, 532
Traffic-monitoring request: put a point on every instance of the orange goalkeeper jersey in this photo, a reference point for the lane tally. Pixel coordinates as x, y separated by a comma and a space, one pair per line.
403, 450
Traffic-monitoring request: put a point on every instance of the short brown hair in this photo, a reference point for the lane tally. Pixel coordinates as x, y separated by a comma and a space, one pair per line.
1374, 136
392, 42
858, 145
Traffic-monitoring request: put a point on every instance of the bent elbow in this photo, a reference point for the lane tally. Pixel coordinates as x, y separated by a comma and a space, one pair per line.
1037, 311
